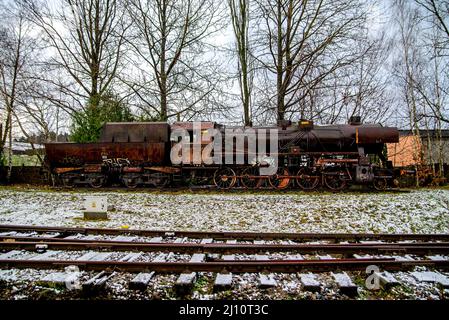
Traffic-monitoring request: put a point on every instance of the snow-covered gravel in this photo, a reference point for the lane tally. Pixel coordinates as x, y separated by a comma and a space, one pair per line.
419, 211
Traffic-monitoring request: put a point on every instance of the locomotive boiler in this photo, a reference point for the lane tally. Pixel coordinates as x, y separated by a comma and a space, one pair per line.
306, 156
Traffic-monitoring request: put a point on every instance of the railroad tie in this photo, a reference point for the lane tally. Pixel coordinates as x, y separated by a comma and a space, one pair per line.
97, 283
124, 238
10, 254
309, 282
51, 235
162, 257
433, 277
371, 242
326, 257
130, 257
155, 240
72, 237
223, 281
91, 237
94, 256
438, 257
206, 241
265, 280
295, 257
185, 281
345, 284
43, 256
386, 280
228, 257
55, 280
403, 258
357, 256
141, 281
7, 234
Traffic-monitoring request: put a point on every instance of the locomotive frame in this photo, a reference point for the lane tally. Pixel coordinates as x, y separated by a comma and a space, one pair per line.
308, 157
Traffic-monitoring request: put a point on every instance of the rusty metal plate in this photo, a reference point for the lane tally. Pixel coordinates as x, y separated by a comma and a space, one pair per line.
135, 132
189, 125
376, 135
78, 154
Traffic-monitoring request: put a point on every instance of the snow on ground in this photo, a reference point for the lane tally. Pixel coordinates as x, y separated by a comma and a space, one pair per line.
420, 211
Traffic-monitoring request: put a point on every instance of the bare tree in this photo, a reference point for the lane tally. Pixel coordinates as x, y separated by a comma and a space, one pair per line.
361, 88
16, 52
409, 70
440, 13
176, 78
432, 89
303, 42
240, 17
367, 93
86, 37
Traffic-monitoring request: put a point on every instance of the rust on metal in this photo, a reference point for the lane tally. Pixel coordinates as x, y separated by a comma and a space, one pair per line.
284, 266
132, 169
79, 154
65, 170
164, 169
91, 168
377, 135
28, 243
189, 125
135, 132
235, 235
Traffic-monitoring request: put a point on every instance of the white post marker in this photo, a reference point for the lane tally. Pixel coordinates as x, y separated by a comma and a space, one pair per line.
96, 207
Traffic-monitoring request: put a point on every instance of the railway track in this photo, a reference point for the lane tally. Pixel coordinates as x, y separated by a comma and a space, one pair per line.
31, 243
148, 253
65, 231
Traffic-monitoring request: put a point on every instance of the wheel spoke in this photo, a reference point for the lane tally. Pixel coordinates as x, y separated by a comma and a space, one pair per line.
225, 178
248, 180
380, 183
130, 181
333, 181
97, 181
280, 182
68, 181
308, 179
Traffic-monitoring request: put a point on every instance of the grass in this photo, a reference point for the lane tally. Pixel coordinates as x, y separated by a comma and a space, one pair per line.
25, 160
239, 192
201, 285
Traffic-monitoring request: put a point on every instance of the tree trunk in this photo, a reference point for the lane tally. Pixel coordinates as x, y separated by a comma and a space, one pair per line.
280, 67
8, 174
163, 72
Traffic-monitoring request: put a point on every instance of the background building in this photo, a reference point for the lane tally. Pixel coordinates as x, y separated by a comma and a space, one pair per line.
427, 149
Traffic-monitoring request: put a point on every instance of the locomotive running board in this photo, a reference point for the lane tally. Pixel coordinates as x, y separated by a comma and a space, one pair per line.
64, 170
164, 169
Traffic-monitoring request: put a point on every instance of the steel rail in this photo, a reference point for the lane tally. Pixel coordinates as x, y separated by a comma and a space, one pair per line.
229, 234
33, 244
282, 266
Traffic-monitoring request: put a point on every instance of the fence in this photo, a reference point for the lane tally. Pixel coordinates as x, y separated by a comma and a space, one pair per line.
26, 174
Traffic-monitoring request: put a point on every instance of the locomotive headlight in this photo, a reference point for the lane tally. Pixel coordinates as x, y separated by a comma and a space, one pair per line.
306, 124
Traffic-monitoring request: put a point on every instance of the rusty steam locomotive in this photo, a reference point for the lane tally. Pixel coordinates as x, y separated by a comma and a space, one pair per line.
307, 156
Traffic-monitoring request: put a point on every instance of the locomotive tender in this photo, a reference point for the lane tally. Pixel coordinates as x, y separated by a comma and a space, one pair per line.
305, 156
